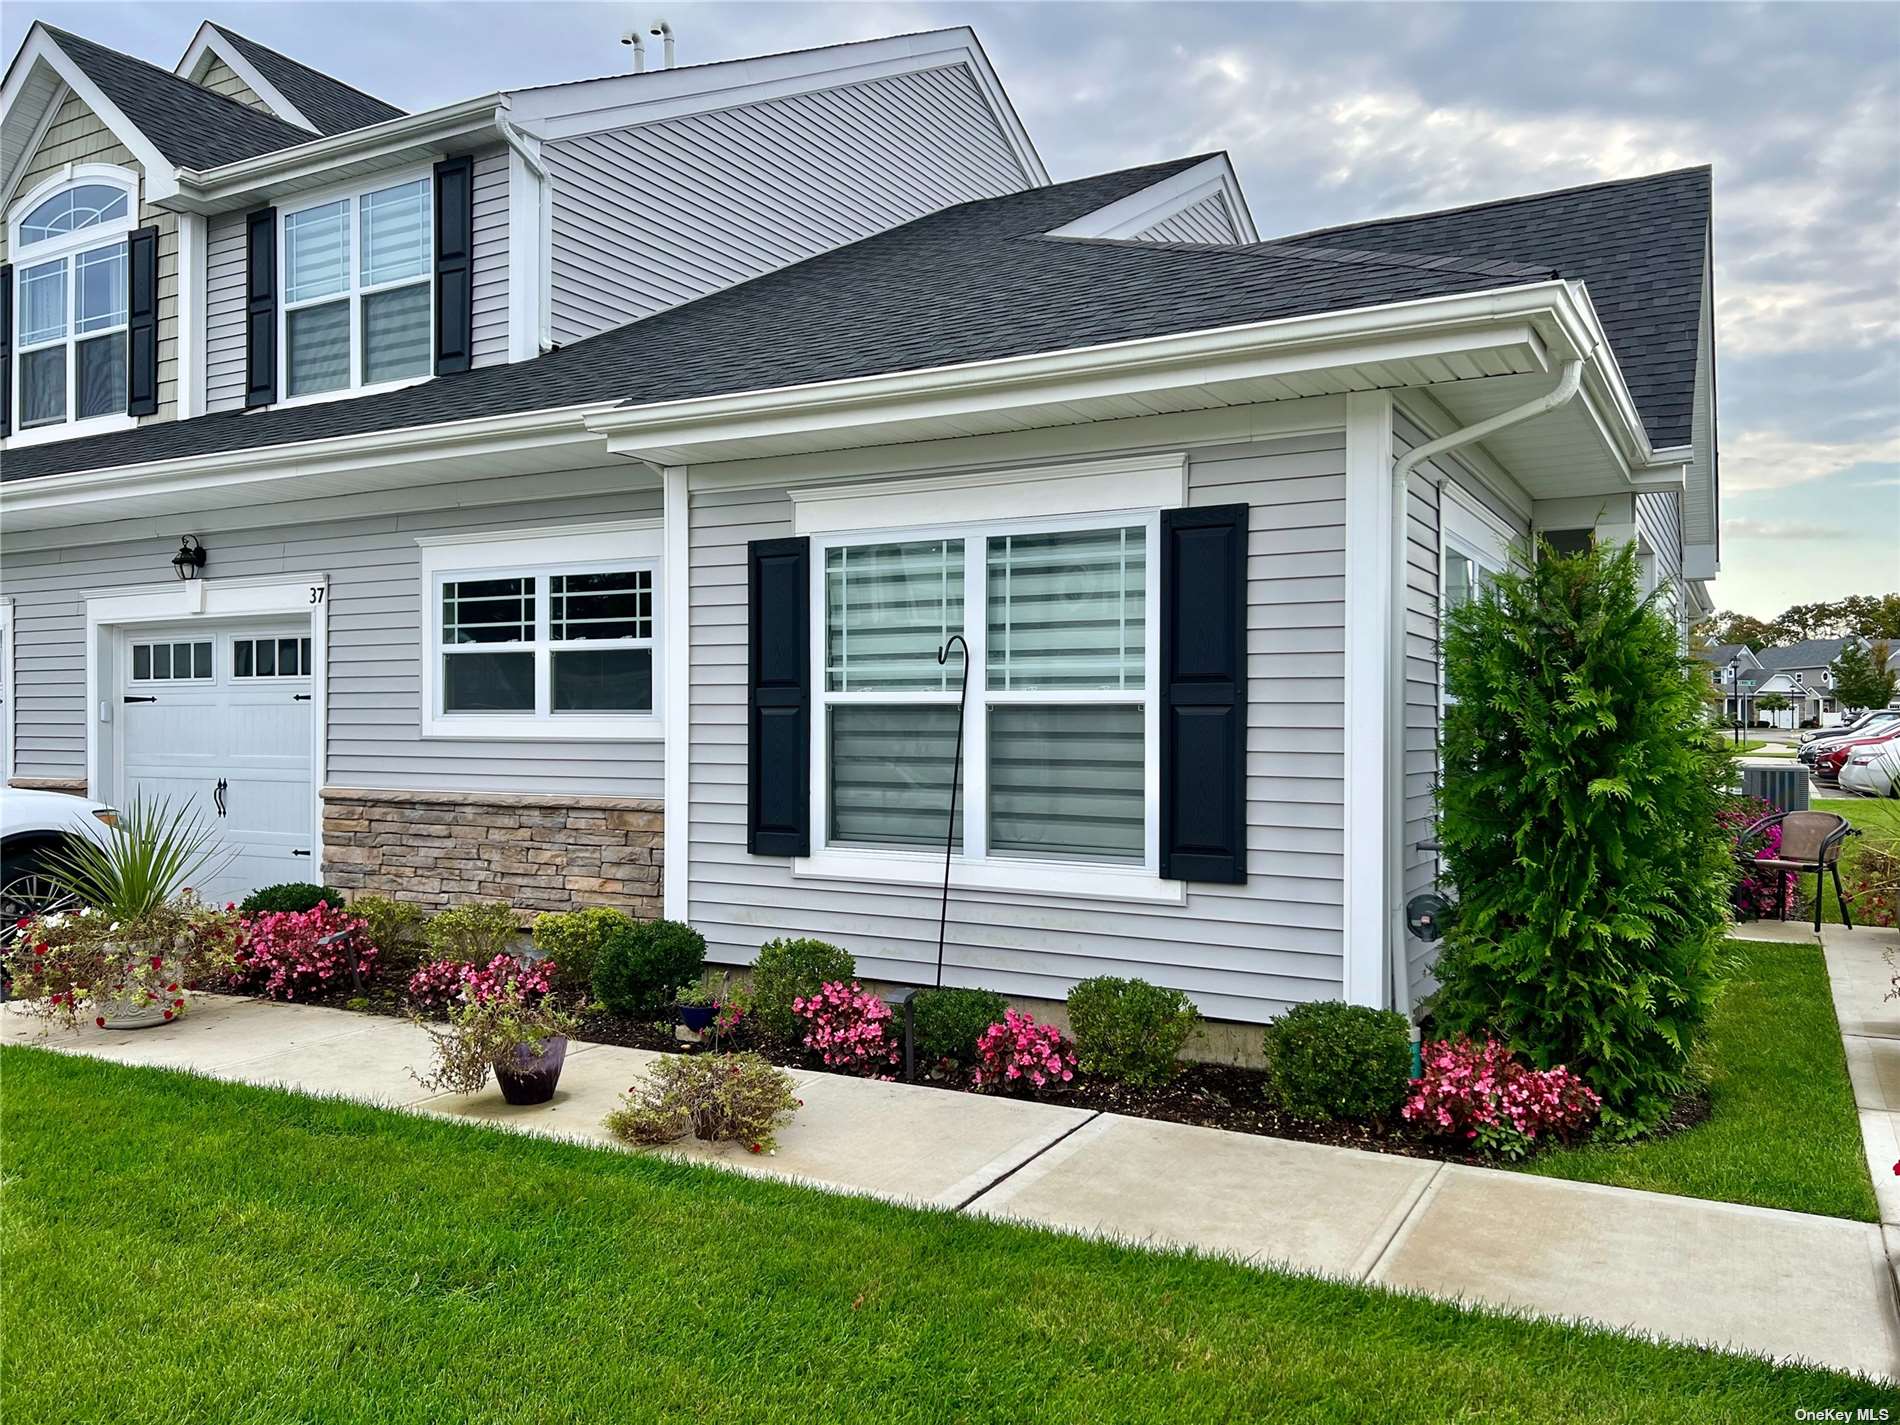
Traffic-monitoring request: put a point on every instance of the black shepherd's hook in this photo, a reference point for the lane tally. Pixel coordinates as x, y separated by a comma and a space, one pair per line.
956, 773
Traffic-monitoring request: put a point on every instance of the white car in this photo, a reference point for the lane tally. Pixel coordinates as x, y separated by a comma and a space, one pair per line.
34, 825
1873, 771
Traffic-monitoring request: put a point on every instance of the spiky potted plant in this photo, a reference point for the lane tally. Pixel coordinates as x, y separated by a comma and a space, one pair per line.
130, 939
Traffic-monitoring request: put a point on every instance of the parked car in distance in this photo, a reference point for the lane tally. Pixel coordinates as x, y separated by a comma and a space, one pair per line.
1873, 771
34, 825
1873, 725
1840, 729
1827, 765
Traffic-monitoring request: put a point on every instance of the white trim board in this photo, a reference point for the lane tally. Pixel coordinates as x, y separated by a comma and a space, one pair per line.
210, 42
1133, 215
183, 601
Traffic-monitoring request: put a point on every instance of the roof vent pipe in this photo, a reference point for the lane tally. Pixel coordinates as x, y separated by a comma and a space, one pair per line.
639, 46
664, 32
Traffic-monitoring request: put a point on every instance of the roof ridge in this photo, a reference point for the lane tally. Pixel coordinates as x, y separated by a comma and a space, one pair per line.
1505, 202
1343, 256
240, 36
304, 135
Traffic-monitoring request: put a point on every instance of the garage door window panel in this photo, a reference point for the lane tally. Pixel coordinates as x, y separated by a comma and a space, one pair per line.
172, 661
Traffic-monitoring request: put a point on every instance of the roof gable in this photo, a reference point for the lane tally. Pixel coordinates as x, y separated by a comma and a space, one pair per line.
1638, 244
332, 106
1809, 653
188, 124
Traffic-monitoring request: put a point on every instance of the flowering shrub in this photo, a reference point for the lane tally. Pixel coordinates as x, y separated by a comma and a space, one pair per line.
1757, 893
1482, 1093
74, 964
849, 1028
287, 954
1019, 1052
486, 1031
441, 983
719, 1098
1871, 876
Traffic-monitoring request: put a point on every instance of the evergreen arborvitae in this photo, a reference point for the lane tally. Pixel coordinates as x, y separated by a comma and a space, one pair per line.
1578, 815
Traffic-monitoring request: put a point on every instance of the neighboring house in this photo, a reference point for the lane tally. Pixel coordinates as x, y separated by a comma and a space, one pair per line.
586, 478
1803, 673
1737, 674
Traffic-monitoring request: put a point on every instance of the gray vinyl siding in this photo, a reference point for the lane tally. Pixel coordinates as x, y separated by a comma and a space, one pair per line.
491, 258
224, 312
1657, 519
220, 78
376, 648
1243, 952
77, 135
647, 217
1205, 221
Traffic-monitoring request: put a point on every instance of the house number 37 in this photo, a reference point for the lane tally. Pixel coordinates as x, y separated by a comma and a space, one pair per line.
317, 592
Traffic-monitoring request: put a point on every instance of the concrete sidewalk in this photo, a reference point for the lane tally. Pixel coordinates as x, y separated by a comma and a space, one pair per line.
1861, 965
1784, 1284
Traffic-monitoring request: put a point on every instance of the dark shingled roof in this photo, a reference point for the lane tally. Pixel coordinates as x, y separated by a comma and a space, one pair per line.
1809, 653
333, 106
1637, 244
970, 283
186, 122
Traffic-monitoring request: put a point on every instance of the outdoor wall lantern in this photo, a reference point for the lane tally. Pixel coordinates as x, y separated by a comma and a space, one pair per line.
190, 557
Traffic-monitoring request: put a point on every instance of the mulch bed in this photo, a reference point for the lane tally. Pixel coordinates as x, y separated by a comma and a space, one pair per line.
1222, 1096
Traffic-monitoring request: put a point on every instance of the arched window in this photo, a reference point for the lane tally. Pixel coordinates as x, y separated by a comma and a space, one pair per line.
70, 299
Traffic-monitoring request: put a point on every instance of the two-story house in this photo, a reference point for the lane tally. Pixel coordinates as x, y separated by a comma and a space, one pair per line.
1737, 674
564, 495
1803, 674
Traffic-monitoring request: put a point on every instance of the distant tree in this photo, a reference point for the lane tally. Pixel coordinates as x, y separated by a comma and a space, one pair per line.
1861, 679
1771, 703
1728, 627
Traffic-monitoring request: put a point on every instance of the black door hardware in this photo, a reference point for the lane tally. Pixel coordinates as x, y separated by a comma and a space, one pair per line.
300, 697
217, 795
300, 853
130, 699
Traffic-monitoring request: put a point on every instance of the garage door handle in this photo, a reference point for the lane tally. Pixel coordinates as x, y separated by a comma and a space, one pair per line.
217, 795
300, 697
300, 853
130, 699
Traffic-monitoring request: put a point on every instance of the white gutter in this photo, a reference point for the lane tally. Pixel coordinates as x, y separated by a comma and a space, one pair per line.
1569, 381
530, 153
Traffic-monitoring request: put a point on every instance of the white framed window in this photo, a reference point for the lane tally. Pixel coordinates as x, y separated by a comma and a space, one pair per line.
1474, 548
71, 303
1060, 768
182, 660
543, 633
358, 290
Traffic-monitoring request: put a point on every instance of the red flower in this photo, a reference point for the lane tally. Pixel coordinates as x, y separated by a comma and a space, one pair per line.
100, 1021
172, 988
178, 1004
756, 1147
168, 1014
158, 962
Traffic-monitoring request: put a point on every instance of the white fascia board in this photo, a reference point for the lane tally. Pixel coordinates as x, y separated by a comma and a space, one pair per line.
229, 472
42, 48
209, 42
16, 170
1396, 331
396, 140
585, 106
1130, 216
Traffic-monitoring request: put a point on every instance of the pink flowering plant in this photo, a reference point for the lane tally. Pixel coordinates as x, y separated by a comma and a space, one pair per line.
1481, 1093
1019, 1053
1758, 893
442, 983
292, 955
850, 1029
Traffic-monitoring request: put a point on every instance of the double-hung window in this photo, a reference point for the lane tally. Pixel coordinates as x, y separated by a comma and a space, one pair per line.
70, 305
358, 279
1059, 735
543, 635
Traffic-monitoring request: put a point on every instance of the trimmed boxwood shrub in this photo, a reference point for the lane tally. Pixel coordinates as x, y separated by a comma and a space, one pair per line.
644, 963
395, 928
293, 896
572, 940
785, 970
948, 1022
1330, 1060
1129, 1029
476, 932
1579, 814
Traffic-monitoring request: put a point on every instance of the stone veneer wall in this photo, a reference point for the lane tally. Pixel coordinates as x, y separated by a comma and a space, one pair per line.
536, 853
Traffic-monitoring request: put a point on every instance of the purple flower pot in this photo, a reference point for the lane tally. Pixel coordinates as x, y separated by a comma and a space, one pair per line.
697, 1017
528, 1078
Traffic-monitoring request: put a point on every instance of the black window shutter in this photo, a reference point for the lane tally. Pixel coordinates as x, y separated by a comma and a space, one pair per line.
6, 349
454, 263
141, 331
778, 722
1204, 694
260, 308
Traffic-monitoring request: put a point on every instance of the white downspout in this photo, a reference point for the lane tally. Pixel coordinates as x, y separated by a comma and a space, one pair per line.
531, 160
1568, 382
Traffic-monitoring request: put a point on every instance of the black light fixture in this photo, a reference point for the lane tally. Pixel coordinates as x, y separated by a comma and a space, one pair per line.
190, 557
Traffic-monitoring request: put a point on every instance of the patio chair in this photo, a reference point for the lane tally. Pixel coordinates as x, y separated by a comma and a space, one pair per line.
1810, 841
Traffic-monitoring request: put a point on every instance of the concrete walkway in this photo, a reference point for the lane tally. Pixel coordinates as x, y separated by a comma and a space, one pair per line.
1787, 1285
1861, 965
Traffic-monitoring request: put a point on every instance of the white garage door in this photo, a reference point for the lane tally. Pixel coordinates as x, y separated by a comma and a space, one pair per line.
219, 718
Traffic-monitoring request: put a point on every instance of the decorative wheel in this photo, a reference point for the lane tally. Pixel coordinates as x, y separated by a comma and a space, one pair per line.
29, 893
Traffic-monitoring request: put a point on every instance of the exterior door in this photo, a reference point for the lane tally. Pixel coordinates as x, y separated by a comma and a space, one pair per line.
218, 718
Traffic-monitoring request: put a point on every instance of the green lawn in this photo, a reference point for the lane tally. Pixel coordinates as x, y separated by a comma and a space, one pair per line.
1783, 1131
176, 1249
1875, 817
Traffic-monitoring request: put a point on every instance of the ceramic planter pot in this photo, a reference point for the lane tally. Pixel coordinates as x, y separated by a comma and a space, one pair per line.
526, 1077
697, 1017
133, 1009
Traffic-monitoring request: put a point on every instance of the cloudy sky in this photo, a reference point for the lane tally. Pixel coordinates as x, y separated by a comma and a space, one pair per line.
1348, 111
